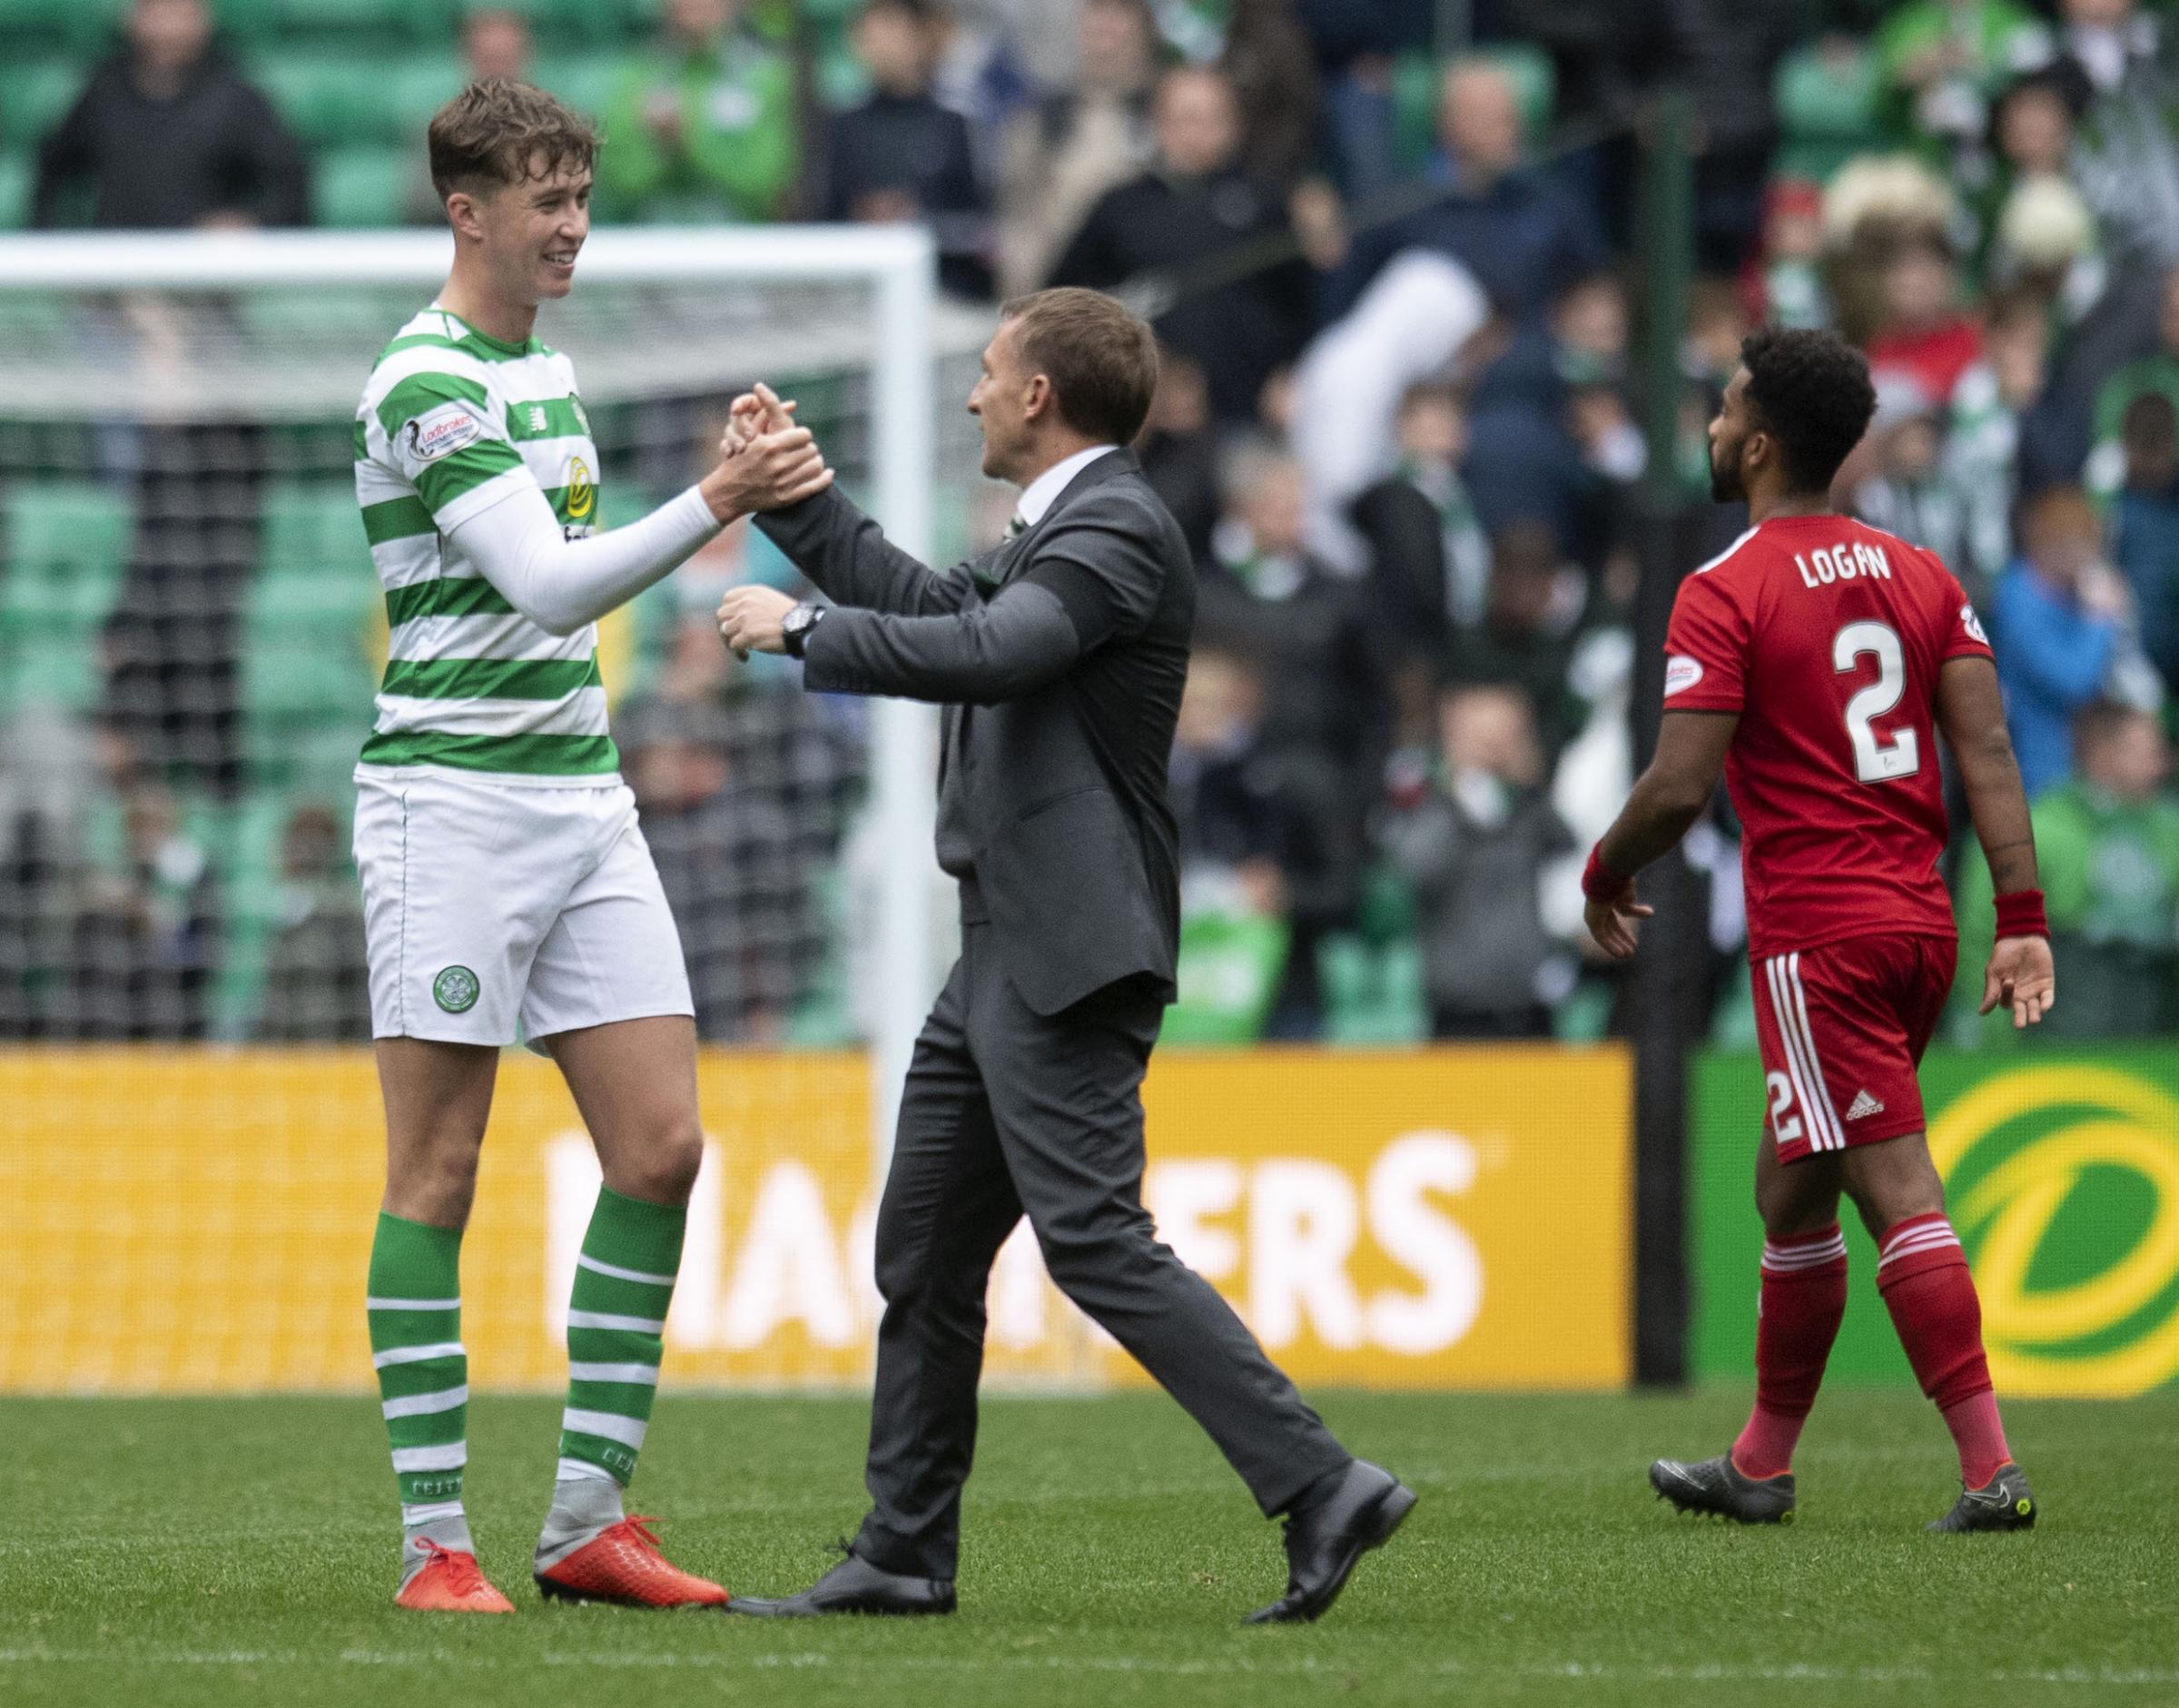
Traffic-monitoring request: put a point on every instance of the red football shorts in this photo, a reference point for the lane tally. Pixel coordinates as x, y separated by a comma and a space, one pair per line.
1842, 1029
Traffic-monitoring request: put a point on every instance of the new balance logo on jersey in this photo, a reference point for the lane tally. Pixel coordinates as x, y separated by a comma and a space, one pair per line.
1842, 563
1863, 1106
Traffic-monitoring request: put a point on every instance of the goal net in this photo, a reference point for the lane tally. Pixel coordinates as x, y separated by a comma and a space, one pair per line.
191, 633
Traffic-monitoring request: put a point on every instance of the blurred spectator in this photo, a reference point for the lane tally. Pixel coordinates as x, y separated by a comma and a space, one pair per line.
1790, 291
1178, 450
1264, 592
146, 935
1982, 444
495, 43
169, 133
1924, 336
1523, 239
1909, 490
2107, 846
902, 156
1728, 53
2145, 527
1430, 561
2128, 161
1188, 214
1942, 61
1079, 142
1355, 42
1472, 846
2031, 138
317, 982
2157, 373
703, 123
728, 858
1273, 70
976, 72
1531, 630
2058, 614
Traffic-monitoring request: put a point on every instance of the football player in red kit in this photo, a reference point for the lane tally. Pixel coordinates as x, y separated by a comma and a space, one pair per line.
1814, 663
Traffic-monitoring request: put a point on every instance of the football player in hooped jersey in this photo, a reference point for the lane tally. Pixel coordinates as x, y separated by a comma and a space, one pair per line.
507, 885
1814, 664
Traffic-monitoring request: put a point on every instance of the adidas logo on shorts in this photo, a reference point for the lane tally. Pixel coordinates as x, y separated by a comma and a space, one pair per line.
1863, 1105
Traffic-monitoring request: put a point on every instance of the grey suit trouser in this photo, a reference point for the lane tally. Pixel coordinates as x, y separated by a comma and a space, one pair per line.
1007, 1111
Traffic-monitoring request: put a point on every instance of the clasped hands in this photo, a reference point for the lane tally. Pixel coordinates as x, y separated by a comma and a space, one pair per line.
765, 463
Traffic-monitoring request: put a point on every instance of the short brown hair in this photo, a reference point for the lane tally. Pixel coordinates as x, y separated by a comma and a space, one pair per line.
1101, 361
500, 131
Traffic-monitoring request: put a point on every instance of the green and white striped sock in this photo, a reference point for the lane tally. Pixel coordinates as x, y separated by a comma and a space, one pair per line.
624, 1281
415, 1307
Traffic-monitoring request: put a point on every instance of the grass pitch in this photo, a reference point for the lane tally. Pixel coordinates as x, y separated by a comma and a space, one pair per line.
222, 1552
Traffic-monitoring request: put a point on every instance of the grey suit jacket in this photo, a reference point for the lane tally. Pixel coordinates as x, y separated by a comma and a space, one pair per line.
1059, 658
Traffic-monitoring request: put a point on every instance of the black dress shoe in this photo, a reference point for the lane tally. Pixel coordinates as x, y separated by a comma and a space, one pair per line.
1328, 1536
854, 1586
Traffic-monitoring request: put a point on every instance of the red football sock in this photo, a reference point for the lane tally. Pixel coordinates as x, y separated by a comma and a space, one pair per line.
1803, 1297
1923, 1275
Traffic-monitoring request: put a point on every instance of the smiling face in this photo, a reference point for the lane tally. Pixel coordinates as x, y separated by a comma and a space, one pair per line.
529, 232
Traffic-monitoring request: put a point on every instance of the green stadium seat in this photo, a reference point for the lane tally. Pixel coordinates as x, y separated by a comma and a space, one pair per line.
311, 528
249, 22
385, 23
356, 188
80, 27
1373, 996
38, 97
333, 98
307, 626
17, 180
584, 81
246, 860
420, 85
63, 552
1828, 109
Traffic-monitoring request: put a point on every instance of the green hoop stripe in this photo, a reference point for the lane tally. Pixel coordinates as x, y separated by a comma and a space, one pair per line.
489, 678
529, 755
397, 518
446, 596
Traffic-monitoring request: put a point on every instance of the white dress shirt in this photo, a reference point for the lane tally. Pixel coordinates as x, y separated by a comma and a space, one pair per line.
1041, 494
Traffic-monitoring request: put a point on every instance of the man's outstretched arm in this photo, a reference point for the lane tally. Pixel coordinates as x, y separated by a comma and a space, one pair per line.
1666, 798
844, 554
1971, 714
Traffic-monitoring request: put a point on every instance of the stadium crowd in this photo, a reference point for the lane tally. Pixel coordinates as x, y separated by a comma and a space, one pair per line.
1395, 276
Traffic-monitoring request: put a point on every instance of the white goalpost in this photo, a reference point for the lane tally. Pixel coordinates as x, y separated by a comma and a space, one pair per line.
105, 336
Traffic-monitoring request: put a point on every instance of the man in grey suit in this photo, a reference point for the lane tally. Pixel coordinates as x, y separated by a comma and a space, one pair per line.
1059, 658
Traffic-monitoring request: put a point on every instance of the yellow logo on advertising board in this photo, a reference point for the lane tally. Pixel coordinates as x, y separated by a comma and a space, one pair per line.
582, 491
2064, 1183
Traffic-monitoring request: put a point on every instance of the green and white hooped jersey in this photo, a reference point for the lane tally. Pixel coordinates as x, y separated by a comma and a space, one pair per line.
451, 422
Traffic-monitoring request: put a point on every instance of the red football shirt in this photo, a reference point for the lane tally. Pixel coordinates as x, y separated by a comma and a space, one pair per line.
1826, 638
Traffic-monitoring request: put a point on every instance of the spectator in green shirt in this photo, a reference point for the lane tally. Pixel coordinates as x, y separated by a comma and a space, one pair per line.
703, 124
1942, 60
2107, 843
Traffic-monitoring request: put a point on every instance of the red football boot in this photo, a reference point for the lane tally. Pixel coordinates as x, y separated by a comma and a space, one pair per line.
450, 1583
621, 1564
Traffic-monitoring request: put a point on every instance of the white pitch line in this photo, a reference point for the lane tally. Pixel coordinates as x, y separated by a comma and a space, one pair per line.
651, 1660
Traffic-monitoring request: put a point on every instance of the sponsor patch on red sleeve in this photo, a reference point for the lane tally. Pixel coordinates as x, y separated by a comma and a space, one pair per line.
1680, 673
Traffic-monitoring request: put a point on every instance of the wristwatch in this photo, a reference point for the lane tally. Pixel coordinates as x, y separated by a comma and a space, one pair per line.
795, 628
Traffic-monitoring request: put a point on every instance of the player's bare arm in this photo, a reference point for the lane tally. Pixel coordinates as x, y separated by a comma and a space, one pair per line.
1667, 799
2020, 975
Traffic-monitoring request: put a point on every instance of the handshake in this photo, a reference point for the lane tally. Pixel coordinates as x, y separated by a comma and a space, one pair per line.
765, 463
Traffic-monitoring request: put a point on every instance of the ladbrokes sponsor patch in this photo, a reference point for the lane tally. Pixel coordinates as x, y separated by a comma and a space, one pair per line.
442, 431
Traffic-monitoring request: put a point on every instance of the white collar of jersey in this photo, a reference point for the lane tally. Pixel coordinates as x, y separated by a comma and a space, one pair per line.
1041, 494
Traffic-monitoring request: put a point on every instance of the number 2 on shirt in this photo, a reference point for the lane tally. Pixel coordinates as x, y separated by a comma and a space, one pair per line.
1875, 760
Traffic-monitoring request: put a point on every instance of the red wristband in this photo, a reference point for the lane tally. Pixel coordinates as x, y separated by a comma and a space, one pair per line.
1598, 881
2020, 915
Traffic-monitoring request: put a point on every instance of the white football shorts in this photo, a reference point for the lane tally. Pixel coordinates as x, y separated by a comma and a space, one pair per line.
486, 908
